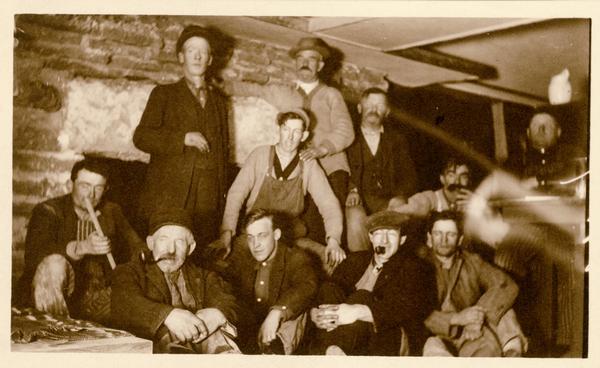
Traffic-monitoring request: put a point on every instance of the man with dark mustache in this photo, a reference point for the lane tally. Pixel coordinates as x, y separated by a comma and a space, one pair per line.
380, 166
453, 195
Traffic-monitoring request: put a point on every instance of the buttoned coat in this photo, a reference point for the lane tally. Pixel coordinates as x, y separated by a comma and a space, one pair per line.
171, 112
293, 283
398, 172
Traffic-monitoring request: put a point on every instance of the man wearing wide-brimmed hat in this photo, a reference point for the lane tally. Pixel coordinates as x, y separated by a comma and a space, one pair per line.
377, 300
184, 129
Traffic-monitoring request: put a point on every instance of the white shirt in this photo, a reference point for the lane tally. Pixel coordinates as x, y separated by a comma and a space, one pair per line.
307, 87
372, 138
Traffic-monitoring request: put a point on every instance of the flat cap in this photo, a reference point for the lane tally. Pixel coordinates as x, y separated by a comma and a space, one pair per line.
385, 220
169, 216
192, 31
298, 111
311, 43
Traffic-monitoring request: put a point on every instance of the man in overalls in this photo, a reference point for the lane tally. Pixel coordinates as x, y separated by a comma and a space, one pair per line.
275, 178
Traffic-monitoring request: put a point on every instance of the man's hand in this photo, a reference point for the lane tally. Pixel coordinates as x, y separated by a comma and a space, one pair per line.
472, 331
212, 317
334, 253
94, 244
396, 203
324, 318
223, 244
196, 139
353, 199
345, 314
463, 197
471, 315
268, 329
313, 153
186, 326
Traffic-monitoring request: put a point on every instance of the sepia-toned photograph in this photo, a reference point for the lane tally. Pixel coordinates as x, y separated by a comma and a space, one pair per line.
300, 185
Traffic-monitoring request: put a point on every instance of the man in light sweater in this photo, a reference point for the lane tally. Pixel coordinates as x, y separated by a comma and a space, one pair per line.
275, 178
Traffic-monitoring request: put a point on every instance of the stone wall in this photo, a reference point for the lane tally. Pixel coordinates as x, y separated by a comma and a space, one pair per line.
81, 84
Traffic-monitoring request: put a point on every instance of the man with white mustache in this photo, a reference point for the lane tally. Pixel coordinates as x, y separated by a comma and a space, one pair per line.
380, 166
376, 301
166, 298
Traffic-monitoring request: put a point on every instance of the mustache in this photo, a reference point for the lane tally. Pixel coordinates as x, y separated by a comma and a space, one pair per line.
379, 249
146, 256
457, 187
304, 67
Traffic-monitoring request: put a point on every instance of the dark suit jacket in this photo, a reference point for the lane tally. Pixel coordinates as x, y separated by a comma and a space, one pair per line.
171, 112
53, 225
141, 299
293, 282
404, 295
399, 175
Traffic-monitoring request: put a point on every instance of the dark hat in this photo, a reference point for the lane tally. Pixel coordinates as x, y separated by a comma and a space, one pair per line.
169, 216
192, 31
311, 43
298, 111
385, 220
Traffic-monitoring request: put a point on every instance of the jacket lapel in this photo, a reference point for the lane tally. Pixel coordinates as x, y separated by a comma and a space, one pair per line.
277, 272
157, 279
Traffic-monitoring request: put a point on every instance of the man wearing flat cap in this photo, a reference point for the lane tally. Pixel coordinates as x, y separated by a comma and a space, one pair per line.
275, 178
184, 129
164, 298
377, 300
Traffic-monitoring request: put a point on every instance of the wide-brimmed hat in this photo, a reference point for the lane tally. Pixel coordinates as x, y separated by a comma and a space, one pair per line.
385, 220
192, 31
169, 216
311, 43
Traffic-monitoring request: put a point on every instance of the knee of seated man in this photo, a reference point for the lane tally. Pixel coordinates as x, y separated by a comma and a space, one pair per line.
53, 267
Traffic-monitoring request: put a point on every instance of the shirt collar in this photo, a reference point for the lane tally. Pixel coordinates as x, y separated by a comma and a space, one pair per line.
307, 87
268, 262
193, 86
371, 132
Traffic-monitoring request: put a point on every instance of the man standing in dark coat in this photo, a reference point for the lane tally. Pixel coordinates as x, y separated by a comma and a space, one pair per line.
184, 129
380, 167
162, 297
376, 301
277, 283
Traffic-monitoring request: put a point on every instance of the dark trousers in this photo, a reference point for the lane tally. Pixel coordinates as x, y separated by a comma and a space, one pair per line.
353, 339
338, 180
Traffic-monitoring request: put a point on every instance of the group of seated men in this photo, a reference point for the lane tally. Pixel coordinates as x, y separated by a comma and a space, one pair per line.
384, 300
278, 291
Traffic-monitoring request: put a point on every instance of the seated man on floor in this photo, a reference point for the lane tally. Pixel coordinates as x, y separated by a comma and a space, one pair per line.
276, 282
474, 315
376, 301
453, 195
67, 271
165, 298
275, 178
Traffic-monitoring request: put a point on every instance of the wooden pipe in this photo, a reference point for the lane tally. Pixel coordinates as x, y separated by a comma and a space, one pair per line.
90, 209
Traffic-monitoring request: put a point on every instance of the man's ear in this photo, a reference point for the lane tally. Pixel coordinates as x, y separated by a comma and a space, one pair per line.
558, 132
70, 185
442, 180
528, 133
429, 241
321, 65
192, 247
402, 239
359, 108
277, 234
460, 240
210, 60
304, 136
180, 57
150, 242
